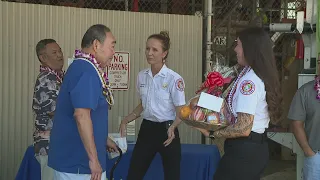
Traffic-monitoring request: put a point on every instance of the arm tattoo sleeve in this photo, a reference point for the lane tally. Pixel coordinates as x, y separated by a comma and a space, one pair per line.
241, 128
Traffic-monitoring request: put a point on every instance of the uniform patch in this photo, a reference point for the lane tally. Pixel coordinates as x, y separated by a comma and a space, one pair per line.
180, 84
247, 87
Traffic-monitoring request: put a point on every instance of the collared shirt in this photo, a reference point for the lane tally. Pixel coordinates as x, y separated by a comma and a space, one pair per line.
46, 91
306, 107
160, 94
81, 88
250, 98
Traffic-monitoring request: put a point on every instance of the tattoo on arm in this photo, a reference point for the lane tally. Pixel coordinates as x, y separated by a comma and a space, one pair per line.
241, 128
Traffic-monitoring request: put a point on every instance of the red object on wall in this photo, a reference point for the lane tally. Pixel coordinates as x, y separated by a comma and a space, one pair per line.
135, 7
299, 48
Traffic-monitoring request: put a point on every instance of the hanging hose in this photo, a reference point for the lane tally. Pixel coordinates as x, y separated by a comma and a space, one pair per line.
116, 163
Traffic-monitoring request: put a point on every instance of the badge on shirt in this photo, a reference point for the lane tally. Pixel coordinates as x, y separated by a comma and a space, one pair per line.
180, 84
142, 85
164, 85
247, 87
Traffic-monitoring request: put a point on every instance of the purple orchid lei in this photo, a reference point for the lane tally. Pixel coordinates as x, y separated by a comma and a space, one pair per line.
317, 86
58, 74
80, 54
106, 87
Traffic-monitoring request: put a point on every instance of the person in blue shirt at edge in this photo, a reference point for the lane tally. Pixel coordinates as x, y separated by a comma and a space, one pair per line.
80, 133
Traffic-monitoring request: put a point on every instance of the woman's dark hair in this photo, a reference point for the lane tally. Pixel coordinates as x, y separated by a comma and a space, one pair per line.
163, 36
258, 53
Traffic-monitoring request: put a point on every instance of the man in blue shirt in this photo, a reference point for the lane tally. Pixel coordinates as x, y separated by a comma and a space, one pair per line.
80, 133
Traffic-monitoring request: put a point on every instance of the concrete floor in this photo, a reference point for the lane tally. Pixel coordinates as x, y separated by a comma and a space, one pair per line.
280, 170
277, 169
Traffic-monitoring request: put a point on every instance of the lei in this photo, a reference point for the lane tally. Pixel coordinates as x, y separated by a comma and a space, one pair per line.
234, 88
58, 74
106, 90
317, 86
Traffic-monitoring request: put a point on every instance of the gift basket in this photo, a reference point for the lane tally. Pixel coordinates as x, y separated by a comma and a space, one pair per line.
209, 109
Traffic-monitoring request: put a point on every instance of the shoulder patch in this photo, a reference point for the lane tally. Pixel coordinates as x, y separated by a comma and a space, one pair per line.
179, 84
247, 87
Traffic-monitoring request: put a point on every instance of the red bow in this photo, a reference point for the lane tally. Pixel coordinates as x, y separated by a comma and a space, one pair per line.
214, 79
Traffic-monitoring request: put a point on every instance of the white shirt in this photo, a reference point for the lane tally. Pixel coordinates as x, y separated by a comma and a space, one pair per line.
160, 94
250, 98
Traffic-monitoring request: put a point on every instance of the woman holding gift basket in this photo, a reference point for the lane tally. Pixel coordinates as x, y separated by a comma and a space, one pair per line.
254, 99
161, 91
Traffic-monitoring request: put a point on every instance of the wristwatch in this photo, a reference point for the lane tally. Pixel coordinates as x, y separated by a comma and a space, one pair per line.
211, 135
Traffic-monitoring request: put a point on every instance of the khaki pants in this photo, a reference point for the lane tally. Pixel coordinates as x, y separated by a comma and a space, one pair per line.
69, 176
46, 171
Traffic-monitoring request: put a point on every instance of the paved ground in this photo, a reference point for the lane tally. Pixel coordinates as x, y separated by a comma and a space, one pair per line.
280, 170
287, 174
277, 169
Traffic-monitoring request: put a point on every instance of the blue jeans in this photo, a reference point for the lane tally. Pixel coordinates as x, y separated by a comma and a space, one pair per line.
311, 169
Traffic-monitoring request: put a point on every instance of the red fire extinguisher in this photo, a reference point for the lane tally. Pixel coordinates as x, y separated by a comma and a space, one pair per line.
299, 41
299, 48
135, 7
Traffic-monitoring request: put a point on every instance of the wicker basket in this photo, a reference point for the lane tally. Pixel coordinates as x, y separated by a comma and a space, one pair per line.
204, 125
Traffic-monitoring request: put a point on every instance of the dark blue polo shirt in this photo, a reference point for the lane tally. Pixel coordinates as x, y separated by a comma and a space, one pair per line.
81, 88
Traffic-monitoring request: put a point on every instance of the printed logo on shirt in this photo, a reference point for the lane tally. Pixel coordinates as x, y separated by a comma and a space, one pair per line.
247, 87
180, 84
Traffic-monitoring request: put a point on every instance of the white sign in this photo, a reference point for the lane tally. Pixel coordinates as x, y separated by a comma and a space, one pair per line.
220, 40
211, 102
118, 71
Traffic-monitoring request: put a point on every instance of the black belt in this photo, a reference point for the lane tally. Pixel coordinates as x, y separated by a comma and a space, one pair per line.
257, 137
167, 124
254, 137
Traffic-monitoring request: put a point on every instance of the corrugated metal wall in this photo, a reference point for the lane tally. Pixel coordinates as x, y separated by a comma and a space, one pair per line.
23, 25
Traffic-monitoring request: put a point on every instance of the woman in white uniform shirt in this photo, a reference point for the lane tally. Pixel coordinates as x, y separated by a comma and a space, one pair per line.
255, 99
161, 91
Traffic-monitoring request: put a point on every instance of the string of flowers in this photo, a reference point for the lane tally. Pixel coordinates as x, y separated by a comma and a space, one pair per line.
58, 74
233, 91
317, 86
107, 92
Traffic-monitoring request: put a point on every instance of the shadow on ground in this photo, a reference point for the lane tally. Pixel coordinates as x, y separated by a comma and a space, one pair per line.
280, 170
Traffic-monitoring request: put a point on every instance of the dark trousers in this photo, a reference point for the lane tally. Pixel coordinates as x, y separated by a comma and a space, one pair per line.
150, 141
244, 158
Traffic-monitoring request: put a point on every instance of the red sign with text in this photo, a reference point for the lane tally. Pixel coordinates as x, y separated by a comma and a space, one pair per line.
119, 71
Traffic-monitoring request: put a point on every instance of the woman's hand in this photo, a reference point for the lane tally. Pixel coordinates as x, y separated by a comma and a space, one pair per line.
171, 135
123, 128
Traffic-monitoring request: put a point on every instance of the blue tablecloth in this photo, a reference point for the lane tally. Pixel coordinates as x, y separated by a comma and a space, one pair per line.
29, 167
198, 162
